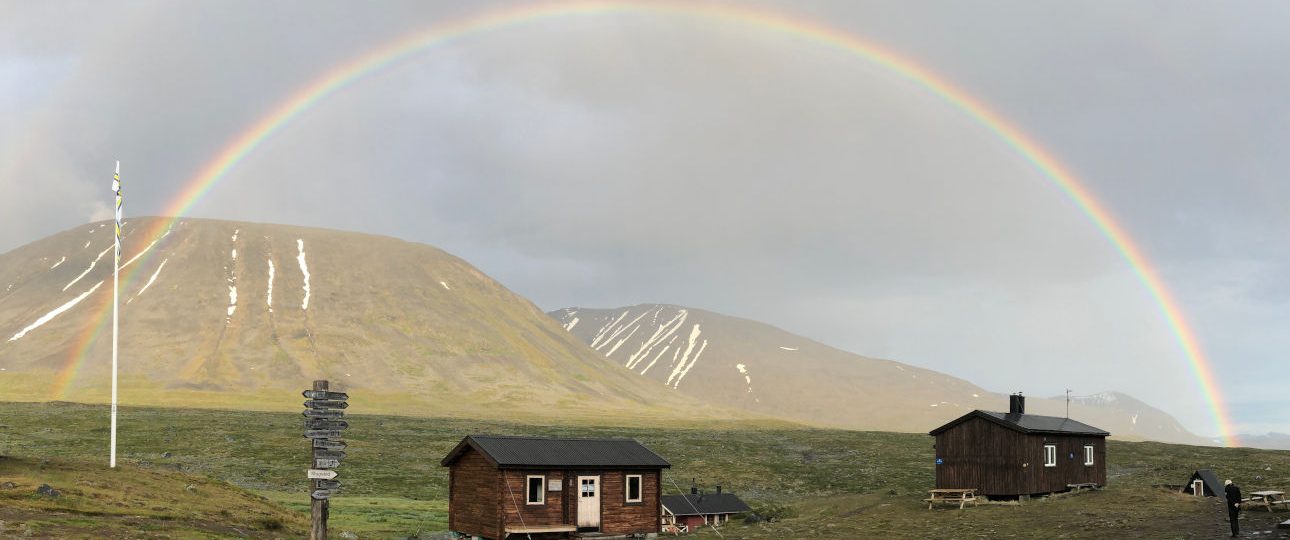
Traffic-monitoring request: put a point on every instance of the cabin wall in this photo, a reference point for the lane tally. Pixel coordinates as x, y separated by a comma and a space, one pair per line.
515, 507
1070, 467
982, 455
473, 496
617, 516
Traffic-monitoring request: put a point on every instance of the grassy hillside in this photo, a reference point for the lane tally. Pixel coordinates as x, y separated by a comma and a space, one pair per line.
239, 315
131, 502
839, 484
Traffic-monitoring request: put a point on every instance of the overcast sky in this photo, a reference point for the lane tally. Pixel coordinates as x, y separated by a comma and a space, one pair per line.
619, 158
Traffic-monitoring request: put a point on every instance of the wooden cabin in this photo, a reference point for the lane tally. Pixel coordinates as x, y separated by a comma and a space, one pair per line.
1013, 454
553, 488
695, 510
1204, 483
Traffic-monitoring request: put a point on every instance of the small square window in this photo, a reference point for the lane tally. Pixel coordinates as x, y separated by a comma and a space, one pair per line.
536, 489
1088, 454
1050, 455
633, 488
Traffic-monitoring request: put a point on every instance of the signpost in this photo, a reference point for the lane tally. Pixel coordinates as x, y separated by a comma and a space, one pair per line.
323, 425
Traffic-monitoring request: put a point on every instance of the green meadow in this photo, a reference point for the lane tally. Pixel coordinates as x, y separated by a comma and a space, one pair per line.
193, 473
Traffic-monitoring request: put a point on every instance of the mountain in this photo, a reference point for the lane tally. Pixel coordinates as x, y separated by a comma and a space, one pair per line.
1271, 440
744, 364
245, 315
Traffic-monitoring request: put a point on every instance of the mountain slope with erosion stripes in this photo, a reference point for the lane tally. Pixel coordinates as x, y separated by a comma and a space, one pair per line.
733, 362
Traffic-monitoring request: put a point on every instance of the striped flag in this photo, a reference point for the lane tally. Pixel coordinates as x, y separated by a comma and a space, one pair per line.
116, 188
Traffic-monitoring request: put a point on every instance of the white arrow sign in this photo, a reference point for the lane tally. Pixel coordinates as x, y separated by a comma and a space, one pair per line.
321, 474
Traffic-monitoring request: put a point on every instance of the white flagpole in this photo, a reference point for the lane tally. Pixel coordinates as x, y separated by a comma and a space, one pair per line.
116, 271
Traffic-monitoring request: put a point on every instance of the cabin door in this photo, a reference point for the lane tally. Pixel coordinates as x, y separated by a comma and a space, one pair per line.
1198, 488
588, 502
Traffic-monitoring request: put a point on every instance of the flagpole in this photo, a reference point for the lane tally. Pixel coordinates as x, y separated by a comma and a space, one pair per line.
116, 271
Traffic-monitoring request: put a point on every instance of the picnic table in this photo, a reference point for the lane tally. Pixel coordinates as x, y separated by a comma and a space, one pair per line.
950, 496
1269, 499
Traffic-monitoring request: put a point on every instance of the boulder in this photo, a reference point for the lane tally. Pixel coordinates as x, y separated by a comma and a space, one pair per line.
47, 491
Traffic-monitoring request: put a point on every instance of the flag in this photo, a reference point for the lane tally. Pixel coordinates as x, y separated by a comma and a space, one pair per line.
116, 188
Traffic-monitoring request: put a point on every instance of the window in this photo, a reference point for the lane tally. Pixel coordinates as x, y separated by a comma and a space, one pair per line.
536, 489
633, 488
1088, 454
1050, 455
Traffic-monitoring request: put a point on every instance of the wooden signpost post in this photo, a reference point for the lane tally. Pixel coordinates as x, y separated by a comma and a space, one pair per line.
323, 425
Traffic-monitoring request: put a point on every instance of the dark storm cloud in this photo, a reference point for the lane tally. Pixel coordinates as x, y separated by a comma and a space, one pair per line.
614, 159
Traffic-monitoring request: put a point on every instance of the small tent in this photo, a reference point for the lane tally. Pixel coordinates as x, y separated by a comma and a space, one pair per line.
1203, 483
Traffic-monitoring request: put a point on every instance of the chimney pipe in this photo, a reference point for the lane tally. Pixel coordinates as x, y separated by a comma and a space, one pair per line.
1017, 404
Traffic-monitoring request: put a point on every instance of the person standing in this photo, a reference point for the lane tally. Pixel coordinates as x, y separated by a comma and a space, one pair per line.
1233, 504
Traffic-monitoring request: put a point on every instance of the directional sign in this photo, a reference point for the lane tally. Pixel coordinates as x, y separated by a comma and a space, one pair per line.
323, 474
322, 434
330, 454
326, 463
321, 494
329, 444
320, 394
326, 424
329, 484
325, 404
320, 414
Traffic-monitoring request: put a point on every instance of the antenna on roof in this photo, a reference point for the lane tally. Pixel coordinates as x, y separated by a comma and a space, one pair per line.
1068, 403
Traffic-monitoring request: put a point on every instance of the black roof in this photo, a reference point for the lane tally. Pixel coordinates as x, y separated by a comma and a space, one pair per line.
713, 503
1212, 486
1028, 423
541, 452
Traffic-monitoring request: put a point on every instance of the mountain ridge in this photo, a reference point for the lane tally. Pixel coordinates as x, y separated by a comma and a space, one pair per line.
812, 382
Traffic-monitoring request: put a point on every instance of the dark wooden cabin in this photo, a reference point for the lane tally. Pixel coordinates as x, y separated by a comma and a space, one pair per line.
552, 488
1204, 483
696, 509
1017, 454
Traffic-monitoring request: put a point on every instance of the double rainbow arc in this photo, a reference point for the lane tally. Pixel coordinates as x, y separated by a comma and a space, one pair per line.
350, 73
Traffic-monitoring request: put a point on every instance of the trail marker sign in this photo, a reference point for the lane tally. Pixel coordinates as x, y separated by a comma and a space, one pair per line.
322, 434
329, 444
326, 424
322, 394
321, 474
326, 404
329, 484
322, 495
322, 413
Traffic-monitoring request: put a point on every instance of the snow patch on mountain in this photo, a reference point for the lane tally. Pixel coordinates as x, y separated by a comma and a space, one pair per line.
150, 280
56, 312
60, 261
304, 270
87, 270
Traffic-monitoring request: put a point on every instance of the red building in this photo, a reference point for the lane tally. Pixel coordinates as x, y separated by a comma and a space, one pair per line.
553, 488
697, 510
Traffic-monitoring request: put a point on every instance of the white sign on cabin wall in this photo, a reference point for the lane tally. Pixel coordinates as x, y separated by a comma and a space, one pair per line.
553, 485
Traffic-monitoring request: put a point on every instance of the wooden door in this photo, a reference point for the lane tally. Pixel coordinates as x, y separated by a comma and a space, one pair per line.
588, 502
1198, 488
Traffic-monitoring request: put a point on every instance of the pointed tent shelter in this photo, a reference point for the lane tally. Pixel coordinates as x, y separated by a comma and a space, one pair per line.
1203, 483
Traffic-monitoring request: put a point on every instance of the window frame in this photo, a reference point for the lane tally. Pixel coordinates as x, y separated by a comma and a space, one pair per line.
528, 484
640, 488
1088, 455
1050, 455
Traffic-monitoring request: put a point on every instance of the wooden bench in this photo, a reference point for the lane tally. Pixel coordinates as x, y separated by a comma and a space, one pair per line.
950, 496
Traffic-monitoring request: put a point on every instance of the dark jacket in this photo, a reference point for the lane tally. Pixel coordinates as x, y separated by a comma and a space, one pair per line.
1233, 496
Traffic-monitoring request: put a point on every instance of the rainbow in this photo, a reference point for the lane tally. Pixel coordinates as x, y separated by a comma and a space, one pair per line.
374, 61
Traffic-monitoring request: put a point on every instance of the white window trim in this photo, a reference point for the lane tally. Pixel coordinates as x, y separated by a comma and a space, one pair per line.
1088, 454
541, 490
1050, 455
640, 488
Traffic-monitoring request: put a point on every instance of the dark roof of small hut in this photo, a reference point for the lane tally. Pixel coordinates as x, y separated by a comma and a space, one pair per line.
541, 452
704, 504
1212, 484
1028, 423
